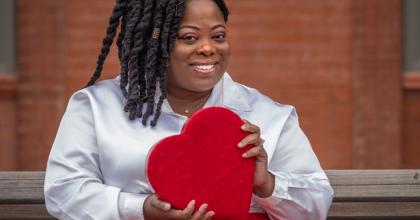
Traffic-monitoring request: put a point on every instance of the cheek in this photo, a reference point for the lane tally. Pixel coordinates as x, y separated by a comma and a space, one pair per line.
180, 51
177, 70
178, 57
227, 48
225, 52
174, 62
227, 55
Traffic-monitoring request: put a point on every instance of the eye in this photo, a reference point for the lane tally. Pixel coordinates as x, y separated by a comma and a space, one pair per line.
220, 37
189, 38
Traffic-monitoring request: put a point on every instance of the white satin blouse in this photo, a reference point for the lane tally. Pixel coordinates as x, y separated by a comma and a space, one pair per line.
96, 168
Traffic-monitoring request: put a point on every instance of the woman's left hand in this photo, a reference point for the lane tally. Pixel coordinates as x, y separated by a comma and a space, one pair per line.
263, 180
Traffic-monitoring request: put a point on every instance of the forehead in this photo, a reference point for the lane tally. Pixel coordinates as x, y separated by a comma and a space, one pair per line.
202, 11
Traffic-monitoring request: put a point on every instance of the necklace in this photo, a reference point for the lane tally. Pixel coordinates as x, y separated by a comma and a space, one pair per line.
186, 109
197, 106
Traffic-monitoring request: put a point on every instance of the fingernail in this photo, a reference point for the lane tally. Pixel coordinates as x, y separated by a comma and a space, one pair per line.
167, 206
240, 144
211, 213
243, 127
245, 155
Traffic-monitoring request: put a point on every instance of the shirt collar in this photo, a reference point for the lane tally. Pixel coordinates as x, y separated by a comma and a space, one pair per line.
231, 94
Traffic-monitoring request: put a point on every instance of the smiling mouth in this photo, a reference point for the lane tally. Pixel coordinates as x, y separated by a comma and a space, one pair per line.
204, 68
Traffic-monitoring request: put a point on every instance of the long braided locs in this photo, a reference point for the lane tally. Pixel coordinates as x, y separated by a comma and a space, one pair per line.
147, 33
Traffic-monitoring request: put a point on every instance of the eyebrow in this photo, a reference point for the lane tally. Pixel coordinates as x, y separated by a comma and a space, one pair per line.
196, 28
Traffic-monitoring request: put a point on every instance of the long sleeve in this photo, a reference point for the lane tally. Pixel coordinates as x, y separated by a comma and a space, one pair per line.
74, 185
302, 190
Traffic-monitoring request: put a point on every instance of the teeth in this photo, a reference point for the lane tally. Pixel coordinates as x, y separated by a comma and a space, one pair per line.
204, 67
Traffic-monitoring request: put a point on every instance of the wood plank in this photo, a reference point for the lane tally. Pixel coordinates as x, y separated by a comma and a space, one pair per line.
349, 185
374, 177
21, 187
359, 194
38, 175
380, 209
337, 177
351, 193
24, 212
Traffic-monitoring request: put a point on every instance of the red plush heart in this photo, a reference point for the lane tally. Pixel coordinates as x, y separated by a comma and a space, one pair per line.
205, 164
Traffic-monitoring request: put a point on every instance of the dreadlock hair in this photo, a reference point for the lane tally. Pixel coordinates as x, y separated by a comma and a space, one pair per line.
147, 32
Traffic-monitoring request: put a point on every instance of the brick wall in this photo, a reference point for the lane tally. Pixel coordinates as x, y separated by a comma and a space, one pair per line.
302, 53
85, 28
41, 68
8, 122
376, 84
299, 53
411, 121
411, 150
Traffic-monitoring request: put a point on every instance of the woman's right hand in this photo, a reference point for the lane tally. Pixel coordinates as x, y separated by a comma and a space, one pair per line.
156, 209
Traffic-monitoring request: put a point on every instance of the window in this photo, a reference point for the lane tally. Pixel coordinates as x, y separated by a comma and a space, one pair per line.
7, 36
411, 36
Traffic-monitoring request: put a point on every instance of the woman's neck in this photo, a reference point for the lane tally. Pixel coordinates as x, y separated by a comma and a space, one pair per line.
184, 95
186, 102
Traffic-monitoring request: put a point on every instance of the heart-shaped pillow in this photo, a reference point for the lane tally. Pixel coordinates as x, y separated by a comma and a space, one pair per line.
204, 163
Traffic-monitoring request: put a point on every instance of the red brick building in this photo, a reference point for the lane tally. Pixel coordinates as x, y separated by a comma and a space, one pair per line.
339, 62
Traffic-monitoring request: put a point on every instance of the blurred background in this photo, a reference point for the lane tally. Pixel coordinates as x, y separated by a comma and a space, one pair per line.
351, 68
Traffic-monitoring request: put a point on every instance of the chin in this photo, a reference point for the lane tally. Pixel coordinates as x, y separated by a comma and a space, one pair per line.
203, 88
204, 85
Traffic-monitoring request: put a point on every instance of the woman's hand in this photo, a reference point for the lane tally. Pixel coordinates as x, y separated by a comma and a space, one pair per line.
156, 209
263, 180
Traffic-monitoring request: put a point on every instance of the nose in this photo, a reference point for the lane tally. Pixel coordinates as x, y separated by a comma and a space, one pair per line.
206, 48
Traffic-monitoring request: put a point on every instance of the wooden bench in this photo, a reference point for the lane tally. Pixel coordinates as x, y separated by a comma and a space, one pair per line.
359, 194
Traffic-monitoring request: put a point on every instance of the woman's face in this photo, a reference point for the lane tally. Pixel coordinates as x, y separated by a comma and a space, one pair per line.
201, 52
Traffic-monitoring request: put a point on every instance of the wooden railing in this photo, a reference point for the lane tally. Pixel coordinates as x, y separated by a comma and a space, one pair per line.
359, 194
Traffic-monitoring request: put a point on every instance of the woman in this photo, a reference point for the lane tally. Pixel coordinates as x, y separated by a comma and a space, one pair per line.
173, 55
